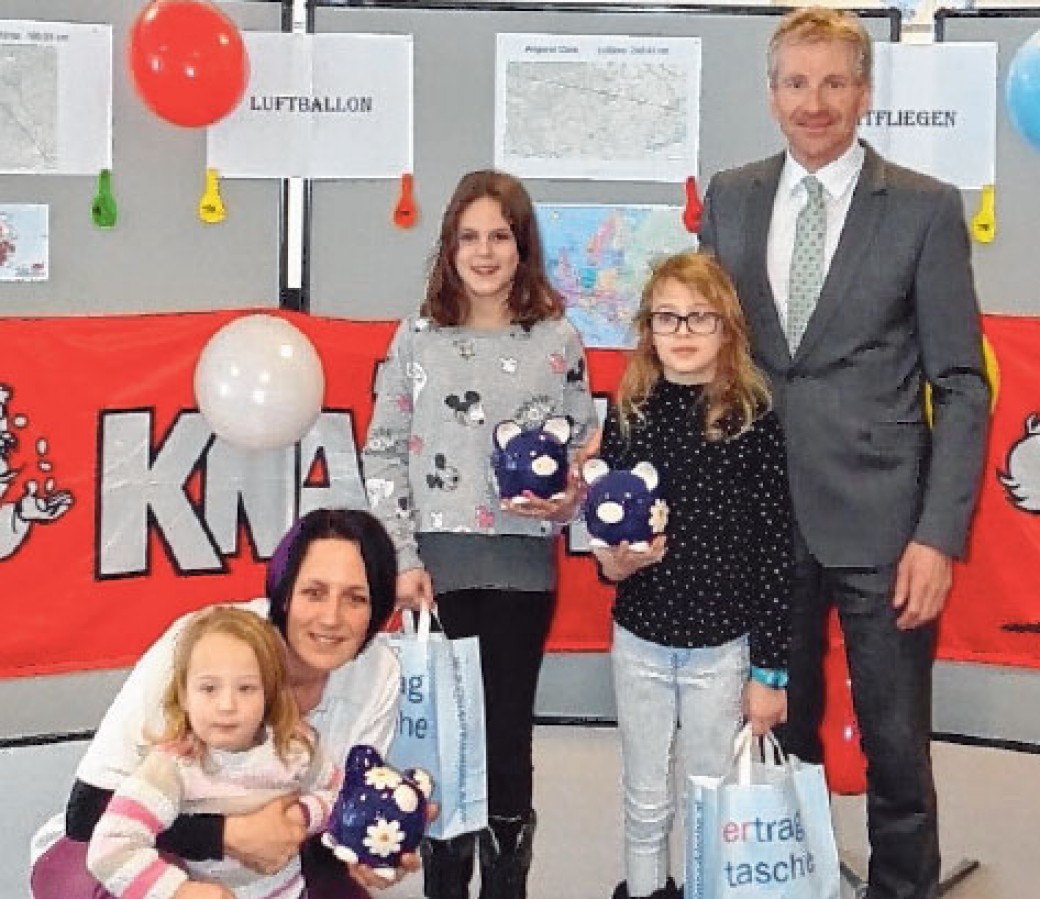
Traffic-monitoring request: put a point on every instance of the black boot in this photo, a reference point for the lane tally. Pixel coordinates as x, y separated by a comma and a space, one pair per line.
448, 866
668, 891
506, 848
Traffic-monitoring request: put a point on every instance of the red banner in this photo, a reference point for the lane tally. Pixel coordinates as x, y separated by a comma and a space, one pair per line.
993, 614
120, 511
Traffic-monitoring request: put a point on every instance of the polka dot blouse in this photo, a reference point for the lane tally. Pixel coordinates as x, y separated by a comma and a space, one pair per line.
727, 569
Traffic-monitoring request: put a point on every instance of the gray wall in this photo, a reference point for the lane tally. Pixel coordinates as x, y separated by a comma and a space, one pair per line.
362, 267
160, 257
985, 701
1005, 270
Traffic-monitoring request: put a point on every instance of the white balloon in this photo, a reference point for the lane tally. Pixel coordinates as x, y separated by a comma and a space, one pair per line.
259, 382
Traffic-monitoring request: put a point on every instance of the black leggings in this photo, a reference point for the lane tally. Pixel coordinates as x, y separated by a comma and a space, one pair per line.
512, 627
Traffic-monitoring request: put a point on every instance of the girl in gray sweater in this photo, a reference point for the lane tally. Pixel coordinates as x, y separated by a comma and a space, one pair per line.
490, 343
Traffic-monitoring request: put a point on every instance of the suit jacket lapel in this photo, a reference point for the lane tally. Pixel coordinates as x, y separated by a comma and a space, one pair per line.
863, 218
761, 304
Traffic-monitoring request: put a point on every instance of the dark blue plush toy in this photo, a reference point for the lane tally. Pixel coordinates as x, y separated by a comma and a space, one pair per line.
623, 505
380, 813
533, 459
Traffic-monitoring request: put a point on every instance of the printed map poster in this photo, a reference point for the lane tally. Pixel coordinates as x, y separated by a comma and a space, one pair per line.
23, 242
320, 106
599, 258
55, 98
935, 110
598, 107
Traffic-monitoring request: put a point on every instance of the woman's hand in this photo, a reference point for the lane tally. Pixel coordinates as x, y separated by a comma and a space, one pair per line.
266, 840
620, 562
414, 589
370, 879
765, 707
192, 890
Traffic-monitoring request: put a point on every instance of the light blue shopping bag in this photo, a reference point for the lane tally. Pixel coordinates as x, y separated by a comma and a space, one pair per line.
763, 830
440, 725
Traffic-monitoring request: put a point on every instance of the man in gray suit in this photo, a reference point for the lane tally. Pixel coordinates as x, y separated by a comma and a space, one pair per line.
883, 482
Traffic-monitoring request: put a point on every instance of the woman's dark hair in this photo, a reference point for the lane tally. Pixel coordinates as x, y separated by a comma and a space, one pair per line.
354, 525
532, 297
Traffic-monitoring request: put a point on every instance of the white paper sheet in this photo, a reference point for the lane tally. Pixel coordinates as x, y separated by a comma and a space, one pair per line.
55, 98
934, 109
606, 107
320, 106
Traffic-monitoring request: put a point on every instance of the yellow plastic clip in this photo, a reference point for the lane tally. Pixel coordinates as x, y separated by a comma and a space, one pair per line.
984, 222
211, 206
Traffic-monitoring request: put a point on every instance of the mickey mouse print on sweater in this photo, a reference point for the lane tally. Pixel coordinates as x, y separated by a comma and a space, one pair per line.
444, 476
468, 408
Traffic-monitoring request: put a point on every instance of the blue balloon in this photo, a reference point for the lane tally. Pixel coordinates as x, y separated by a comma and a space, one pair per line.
1022, 91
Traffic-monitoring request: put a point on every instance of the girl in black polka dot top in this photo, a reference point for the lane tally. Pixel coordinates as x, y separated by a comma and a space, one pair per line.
701, 617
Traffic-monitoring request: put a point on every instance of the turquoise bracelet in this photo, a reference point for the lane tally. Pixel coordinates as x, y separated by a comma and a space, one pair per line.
771, 677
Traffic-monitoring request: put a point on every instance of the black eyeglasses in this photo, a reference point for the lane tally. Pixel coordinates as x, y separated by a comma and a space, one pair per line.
700, 321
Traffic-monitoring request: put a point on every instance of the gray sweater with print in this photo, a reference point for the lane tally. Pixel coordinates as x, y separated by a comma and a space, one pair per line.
440, 394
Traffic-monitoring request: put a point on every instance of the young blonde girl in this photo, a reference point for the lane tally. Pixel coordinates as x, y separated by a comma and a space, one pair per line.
701, 618
233, 740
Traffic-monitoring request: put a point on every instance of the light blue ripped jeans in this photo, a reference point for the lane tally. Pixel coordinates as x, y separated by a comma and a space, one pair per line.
657, 689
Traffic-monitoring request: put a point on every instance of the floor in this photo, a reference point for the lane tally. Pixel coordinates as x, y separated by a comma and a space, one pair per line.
989, 808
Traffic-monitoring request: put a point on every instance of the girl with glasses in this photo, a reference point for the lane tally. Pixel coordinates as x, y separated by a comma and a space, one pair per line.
701, 617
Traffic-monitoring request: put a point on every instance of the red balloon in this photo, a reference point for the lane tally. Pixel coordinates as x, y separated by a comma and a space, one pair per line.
843, 761
188, 61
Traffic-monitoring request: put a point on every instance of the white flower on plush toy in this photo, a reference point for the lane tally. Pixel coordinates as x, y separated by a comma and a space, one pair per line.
406, 798
384, 838
422, 778
383, 778
658, 516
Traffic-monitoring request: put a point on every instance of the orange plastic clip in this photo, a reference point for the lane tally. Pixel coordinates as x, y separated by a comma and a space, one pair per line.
406, 213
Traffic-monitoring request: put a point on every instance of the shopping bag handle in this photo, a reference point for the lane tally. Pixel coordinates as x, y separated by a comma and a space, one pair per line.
422, 629
742, 745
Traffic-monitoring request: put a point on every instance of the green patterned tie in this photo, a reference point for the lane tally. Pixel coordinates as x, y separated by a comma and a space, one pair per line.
806, 262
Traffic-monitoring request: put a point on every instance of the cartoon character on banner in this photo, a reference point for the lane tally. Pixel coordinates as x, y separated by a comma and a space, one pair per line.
1021, 474
187, 61
259, 382
623, 505
530, 461
380, 813
34, 506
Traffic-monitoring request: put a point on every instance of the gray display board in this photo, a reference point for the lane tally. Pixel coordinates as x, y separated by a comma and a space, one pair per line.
1006, 269
160, 257
361, 266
